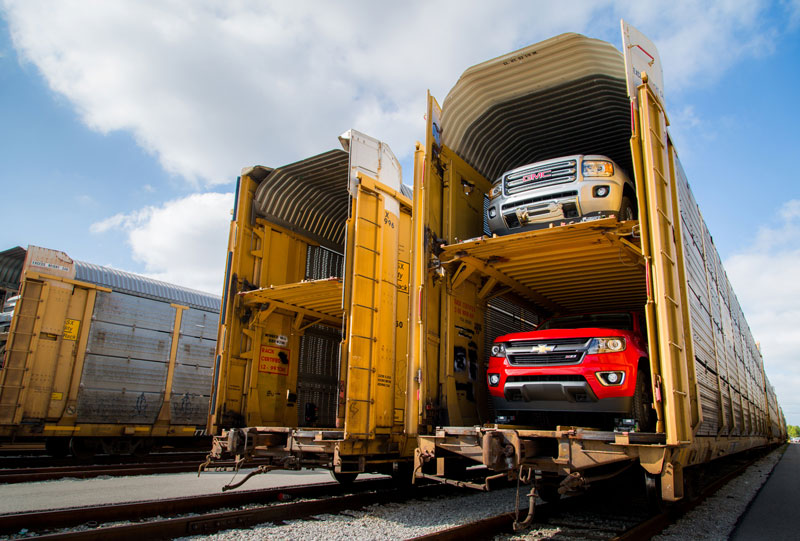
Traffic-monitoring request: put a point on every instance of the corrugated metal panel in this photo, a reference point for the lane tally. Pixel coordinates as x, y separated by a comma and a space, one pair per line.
131, 311
200, 323
566, 95
11, 262
144, 287
128, 343
115, 390
309, 196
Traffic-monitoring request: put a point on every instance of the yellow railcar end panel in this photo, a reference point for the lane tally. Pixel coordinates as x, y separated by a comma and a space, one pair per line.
372, 356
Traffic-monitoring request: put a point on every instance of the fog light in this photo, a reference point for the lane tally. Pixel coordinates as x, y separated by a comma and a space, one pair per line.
492, 212
615, 378
494, 380
601, 191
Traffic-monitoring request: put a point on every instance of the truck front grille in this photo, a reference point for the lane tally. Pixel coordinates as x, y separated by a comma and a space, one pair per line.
543, 175
547, 352
550, 197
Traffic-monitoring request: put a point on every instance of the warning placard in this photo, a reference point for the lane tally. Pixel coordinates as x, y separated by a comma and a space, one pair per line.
71, 328
402, 276
274, 360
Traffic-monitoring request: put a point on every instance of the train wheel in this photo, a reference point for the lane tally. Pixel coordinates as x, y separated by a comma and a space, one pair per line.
642, 403
548, 492
344, 478
652, 489
402, 473
142, 448
547, 487
81, 448
57, 447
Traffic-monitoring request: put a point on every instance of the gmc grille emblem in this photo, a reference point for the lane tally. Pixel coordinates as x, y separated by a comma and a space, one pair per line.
542, 348
537, 176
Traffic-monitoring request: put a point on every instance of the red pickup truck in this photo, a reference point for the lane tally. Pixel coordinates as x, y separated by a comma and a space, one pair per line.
575, 369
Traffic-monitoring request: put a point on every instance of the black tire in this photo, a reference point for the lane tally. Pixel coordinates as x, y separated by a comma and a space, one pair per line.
344, 478
642, 406
626, 210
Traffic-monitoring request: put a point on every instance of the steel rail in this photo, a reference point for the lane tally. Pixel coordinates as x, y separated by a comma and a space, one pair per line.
118, 470
48, 520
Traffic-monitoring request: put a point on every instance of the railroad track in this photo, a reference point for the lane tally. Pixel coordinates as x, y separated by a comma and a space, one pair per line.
593, 515
206, 514
40, 461
24, 470
596, 515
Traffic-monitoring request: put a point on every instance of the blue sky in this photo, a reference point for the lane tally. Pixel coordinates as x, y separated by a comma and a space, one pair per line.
125, 124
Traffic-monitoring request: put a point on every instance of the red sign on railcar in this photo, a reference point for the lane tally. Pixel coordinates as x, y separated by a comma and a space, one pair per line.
274, 360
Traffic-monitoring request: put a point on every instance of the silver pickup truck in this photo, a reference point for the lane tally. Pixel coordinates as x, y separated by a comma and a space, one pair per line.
559, 191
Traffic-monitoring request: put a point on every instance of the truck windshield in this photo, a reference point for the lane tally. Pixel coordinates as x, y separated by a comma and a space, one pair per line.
604, 321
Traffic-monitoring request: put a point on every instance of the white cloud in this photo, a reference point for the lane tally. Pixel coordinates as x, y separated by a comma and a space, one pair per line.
182, 242
209, 87
764, 276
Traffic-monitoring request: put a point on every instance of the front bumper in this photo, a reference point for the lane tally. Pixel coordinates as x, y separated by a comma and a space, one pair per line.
556, 205
565, 387
572, 396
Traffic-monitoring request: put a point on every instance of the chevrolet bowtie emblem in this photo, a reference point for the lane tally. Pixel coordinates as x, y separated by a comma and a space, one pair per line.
542, 348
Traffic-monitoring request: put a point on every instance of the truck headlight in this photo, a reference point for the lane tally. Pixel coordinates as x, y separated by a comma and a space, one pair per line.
497, 189
492, 212
499, 349
606, 345
494, 380
597, 168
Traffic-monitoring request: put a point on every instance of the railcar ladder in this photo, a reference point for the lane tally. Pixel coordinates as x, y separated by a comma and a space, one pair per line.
662, 250
364, 315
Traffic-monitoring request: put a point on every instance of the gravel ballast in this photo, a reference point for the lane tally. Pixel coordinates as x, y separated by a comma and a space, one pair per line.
384, 522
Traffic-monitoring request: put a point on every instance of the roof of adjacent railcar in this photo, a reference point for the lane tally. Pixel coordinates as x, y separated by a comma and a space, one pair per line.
142, 286
11, 262
565, 95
